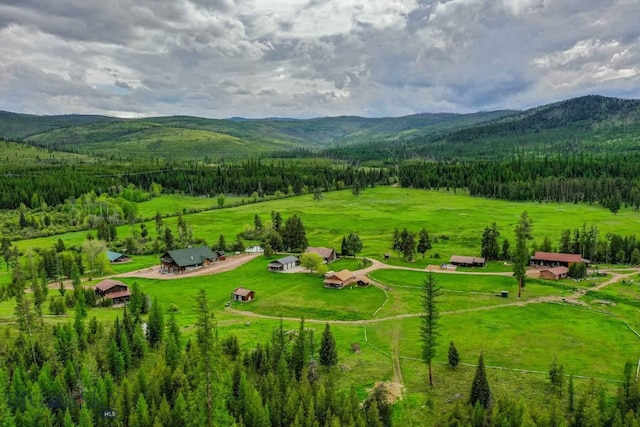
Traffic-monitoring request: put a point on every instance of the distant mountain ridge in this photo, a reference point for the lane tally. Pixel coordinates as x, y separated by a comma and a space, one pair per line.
589, 124
196, 138
593, 123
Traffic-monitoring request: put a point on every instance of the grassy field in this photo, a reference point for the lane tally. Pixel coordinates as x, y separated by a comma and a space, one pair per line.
172, 204
20, 155
590, 341
454, 221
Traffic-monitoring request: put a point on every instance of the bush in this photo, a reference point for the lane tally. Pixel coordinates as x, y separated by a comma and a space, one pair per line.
173, 308
57, 306
69, 299
106, 302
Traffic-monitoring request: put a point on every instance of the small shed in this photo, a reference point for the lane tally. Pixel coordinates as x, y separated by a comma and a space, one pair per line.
242, 295
467, 261
116, 257
283, 264
555, 273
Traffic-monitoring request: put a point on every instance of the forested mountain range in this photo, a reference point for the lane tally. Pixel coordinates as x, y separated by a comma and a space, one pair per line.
178, 138
590, 124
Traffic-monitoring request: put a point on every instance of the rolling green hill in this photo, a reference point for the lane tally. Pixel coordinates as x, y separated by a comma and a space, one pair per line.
17, 155
590, 124
194, 138
20, 126
593, 124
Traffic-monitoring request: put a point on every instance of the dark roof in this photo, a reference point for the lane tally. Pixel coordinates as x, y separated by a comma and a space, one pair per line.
286, 260
119, 294
554, 257
323, 252
190, 256
460, 259
113, 255
107, 284
242, 292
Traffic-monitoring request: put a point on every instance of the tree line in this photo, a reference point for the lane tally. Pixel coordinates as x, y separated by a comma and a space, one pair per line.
59, 183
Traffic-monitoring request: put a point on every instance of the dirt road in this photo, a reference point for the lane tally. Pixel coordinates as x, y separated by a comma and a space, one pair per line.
228, 264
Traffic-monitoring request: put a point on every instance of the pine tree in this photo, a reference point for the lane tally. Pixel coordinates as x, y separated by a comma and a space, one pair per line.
506, 251
429, 321
396, 244
159, 225
521, 256
299, 351
257, 222
454, 356
169, 241
276, 219
424, 242
136, 303
353, 244
293, 234
328, 351
205, 329
490, 248
155, 324
480, 390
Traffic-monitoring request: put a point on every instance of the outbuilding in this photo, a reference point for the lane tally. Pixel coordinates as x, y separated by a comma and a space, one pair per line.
117, 258
283, 264
553, 259
327, 254
467, 261
242, 295
554, 273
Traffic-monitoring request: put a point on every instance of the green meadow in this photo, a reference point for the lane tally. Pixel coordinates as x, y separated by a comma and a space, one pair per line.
519, 341
455, 221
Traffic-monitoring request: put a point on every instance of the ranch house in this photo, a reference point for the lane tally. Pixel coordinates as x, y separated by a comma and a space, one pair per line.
113, 290
467, 261
242, 295
284, 264
327, 254
552, 259
339, 280
181, 260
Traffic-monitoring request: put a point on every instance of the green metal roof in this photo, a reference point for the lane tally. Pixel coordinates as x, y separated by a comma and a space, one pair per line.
190, 256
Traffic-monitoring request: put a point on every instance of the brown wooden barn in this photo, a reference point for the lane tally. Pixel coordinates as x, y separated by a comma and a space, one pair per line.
114, 290
553, 259
554, 273
242, 295
327, 254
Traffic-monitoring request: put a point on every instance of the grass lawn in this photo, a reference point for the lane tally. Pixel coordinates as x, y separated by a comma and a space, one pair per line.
456, 221
172, 204
592, 341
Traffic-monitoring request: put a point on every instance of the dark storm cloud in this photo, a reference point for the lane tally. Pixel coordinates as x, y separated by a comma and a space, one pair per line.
312, 58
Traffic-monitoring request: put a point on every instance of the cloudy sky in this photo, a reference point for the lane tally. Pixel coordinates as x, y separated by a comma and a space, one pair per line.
307, 58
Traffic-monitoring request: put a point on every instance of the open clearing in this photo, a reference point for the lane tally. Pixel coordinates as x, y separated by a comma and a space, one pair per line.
521, 337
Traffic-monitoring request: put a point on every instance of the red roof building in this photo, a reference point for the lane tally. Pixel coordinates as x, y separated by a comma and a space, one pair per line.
557, 259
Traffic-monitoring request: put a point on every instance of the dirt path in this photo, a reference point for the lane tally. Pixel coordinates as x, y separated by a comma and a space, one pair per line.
228, 264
